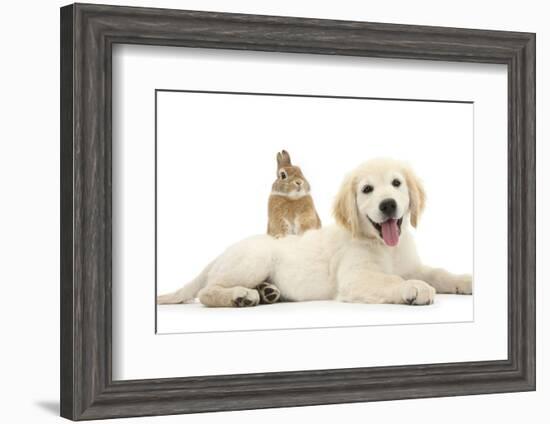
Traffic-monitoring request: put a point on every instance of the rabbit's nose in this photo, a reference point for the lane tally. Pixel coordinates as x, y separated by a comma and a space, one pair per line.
298, 183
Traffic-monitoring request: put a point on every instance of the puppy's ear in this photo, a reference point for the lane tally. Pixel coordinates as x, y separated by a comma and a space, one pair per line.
345, 207
417, 196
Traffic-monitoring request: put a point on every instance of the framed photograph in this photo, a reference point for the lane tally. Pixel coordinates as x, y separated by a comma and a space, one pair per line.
262, 211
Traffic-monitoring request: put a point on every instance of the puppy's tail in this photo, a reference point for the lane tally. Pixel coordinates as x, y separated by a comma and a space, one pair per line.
187, 292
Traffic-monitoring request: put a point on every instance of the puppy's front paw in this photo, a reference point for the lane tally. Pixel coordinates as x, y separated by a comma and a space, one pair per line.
245, 297
463, 284
416, 292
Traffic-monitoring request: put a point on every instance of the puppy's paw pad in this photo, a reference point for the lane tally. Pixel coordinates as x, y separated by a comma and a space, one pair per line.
269, 293
416, 292
246, 298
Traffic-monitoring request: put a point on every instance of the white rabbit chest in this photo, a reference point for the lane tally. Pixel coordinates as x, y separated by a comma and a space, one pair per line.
293, 226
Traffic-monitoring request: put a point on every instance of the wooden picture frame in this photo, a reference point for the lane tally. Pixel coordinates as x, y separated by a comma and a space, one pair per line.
88, 33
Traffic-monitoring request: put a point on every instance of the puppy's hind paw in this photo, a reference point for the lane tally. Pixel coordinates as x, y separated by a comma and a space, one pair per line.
269, 293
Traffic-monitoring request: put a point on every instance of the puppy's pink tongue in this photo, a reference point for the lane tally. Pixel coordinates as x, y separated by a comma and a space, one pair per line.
390, 232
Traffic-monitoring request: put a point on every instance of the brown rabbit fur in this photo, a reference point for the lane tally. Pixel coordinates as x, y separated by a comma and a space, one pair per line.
290, 209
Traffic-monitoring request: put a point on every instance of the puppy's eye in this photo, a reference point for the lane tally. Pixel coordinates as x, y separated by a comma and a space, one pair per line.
396, 183
367, 189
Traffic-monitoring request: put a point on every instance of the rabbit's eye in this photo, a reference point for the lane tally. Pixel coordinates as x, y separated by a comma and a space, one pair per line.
283, 175
367, 189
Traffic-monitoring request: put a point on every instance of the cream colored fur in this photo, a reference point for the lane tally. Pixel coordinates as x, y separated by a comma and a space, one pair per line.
348, 262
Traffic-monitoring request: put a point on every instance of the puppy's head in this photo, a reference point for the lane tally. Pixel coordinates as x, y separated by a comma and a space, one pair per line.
375, 199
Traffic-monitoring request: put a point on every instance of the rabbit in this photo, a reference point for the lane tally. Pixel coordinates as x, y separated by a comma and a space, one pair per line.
290, 209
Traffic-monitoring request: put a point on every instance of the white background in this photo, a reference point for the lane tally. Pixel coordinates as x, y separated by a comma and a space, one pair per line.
29, 175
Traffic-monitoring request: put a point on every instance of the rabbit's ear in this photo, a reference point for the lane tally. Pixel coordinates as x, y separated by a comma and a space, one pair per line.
283, 159
286, 157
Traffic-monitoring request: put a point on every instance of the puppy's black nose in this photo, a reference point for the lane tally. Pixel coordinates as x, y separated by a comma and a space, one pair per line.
388, 207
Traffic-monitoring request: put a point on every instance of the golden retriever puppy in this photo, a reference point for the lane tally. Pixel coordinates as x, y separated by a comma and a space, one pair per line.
368, 256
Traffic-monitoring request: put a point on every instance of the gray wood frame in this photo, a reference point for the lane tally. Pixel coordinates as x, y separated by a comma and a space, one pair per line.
88, 33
